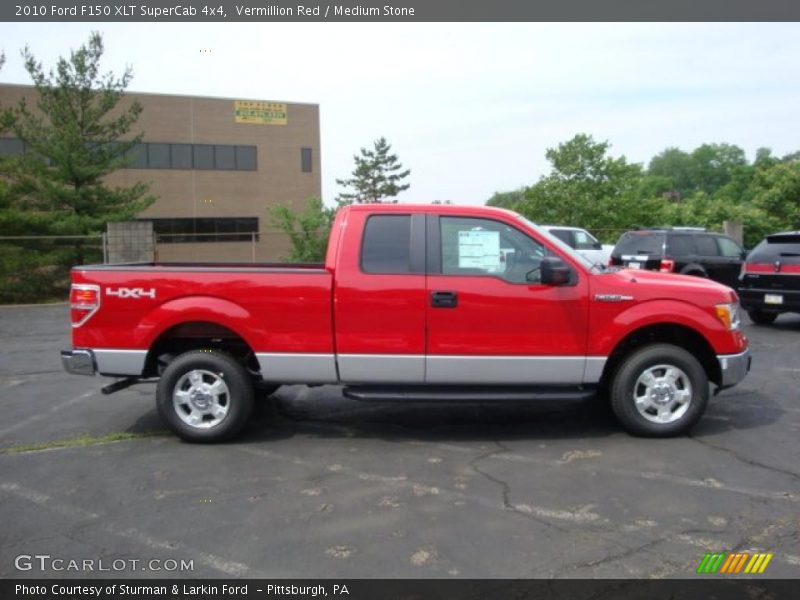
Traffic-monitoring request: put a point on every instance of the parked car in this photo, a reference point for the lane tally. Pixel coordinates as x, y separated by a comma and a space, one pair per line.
770, 280
582, 241
683, 250
426, 302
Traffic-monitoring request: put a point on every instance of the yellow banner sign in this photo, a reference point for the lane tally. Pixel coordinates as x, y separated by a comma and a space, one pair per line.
259, 113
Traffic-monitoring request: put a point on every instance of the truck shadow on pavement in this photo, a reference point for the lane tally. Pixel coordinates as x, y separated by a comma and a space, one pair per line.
325, 413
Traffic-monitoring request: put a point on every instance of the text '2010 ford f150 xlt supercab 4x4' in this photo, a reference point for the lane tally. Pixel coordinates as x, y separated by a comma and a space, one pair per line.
412, 303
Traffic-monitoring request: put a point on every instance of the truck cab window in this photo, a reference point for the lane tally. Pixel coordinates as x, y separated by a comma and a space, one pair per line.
386, 247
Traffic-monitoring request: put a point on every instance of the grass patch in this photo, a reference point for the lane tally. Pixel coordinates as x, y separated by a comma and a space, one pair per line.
80, 441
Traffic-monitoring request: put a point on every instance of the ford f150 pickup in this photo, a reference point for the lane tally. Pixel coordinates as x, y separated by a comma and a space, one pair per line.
412, 303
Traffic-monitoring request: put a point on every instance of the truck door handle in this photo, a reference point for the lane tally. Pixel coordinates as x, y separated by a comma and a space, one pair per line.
444, 299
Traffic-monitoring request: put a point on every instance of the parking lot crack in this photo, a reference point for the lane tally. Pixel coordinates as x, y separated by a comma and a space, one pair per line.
748, 461
505, 487
629, 551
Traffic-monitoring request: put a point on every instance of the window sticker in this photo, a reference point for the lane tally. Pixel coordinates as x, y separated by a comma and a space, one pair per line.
479, 250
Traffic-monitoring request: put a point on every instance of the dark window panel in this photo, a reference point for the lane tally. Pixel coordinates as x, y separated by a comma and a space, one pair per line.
158, 156
386, 247
706, 246
246, 158
11, 146
138, 156
305, 160
181, 156
224, 157
205, 230
203, 156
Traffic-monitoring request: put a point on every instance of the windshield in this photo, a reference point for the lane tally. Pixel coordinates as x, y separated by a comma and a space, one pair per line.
577, 256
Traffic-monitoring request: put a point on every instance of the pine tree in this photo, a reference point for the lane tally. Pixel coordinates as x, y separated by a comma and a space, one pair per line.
378, 176
73, 136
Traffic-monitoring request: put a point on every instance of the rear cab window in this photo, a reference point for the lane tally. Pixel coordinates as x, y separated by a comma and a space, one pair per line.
386, 245
565, 235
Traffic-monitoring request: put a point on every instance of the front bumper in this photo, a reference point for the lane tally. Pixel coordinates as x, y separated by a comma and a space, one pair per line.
733, 368
78, 362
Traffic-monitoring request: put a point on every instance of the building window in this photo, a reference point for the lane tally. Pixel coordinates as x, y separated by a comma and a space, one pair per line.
181, 156
204, 230
158, 156
163, 155
224, 157
11, 146
305, 160
203, 156
245, 158
138, 156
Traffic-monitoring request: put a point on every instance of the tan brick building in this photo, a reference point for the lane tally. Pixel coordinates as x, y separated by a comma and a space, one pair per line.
217, 166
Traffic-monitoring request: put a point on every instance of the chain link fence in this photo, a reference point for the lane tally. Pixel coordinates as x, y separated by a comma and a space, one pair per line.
37, 268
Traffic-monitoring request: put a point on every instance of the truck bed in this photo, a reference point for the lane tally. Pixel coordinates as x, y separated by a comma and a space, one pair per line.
281, 307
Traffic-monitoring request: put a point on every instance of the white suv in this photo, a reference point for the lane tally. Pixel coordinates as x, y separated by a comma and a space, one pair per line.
583, 241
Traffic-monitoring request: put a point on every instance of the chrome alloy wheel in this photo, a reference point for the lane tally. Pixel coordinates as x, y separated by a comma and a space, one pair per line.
662, 393
201, 399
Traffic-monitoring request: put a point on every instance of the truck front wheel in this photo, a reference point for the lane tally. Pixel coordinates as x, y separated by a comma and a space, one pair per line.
659, 391
205, 396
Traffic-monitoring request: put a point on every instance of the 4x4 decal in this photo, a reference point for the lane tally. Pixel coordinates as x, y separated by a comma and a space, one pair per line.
135, 293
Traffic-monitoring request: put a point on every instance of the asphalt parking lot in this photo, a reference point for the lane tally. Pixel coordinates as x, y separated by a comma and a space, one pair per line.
322, 486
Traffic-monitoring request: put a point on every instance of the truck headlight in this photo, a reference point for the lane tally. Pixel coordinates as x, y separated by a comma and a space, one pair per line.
729, 315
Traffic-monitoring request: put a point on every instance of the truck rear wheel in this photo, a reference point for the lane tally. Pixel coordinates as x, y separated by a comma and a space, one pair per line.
205, 396
659, 391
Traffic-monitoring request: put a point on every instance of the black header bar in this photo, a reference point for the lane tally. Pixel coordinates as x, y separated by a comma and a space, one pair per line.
704, 587
397, 10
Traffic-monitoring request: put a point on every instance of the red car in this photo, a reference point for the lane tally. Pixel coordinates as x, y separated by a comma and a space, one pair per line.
412, 303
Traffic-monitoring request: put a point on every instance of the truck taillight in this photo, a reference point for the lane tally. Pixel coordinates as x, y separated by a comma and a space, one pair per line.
667, 265
84, 300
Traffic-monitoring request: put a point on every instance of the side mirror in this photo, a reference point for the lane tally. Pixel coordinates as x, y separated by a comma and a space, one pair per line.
554, 271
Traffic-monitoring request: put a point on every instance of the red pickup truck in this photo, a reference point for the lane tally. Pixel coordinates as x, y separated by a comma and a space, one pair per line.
412, 303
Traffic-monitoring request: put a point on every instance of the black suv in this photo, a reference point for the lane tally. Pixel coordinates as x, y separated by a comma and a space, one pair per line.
770, 281
685, 250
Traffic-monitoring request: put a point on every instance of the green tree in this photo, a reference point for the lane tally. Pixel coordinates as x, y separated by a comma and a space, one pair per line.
674, 166
510, 199
73, 139
75, 132
587, 188
706, 169
308, 230
776, 191
378, 176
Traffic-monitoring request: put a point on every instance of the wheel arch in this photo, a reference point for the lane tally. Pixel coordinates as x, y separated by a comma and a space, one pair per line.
194, 335
676, 334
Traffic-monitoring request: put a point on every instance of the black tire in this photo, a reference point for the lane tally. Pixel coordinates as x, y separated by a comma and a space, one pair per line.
207, 367
692, 384
759, 317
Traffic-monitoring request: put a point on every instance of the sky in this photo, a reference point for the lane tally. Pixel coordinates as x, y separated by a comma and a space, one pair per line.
470, 108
